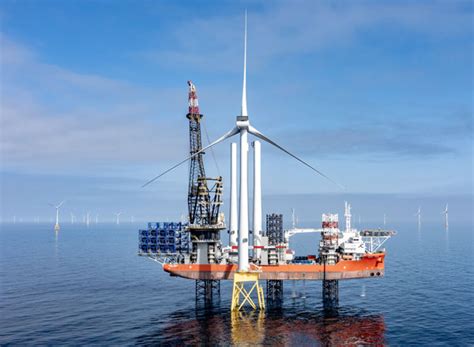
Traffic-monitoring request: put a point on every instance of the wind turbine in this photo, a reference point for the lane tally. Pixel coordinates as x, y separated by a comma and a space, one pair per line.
418, 214
88, 218
384, 220
117, 215
97, 218
243, 128
72, 218
445, 212
57, 207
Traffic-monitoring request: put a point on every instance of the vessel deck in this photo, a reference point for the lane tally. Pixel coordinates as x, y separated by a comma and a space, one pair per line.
371, 265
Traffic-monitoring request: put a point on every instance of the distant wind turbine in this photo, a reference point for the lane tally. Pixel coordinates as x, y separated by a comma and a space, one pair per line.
97, 218
418, 214
445, 212
57, 207
117, 215
72, 218
294, 218
384, 220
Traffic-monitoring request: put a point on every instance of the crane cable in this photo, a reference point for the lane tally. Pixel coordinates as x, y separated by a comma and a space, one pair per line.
212, 150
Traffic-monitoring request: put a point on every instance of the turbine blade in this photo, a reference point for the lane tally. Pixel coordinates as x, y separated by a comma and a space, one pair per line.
220, 139
258, 134
243, 112
61, 203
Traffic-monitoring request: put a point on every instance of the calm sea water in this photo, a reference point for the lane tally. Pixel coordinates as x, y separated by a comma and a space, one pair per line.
88, 286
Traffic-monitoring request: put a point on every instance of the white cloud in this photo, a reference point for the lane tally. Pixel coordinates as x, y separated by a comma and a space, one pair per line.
287, 28
52, 117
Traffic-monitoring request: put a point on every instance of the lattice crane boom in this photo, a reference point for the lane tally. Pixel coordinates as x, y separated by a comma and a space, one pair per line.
204, 193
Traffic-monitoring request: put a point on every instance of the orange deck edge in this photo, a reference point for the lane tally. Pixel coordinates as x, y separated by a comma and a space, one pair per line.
371, 265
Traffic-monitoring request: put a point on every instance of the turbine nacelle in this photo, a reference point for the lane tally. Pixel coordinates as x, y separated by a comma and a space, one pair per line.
242, 122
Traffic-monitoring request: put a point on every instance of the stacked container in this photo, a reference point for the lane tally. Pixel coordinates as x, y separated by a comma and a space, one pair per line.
164, 238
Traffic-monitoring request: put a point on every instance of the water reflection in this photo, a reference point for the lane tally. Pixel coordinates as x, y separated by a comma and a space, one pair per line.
56, 237
447, 240
279, 326
247, 327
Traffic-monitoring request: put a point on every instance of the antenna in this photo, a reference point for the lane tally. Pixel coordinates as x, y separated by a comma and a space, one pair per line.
293, 218
348, 216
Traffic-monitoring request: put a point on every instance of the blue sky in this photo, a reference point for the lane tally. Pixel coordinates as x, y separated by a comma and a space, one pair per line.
378, 95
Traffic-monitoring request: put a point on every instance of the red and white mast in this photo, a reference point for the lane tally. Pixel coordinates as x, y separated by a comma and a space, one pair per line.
193, 104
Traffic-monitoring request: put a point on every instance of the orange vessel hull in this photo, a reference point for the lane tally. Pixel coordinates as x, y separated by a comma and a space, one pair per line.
371, 265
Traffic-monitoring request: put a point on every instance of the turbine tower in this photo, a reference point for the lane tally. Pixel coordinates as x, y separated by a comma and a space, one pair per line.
57, 207
117, 216
445, 212
72, 218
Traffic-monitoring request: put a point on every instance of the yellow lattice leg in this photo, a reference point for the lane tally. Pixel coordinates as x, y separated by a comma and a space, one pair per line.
242, 296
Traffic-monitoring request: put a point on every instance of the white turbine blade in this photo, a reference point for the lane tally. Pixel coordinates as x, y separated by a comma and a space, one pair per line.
258, 134
243, 112
220, 139
61, 203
